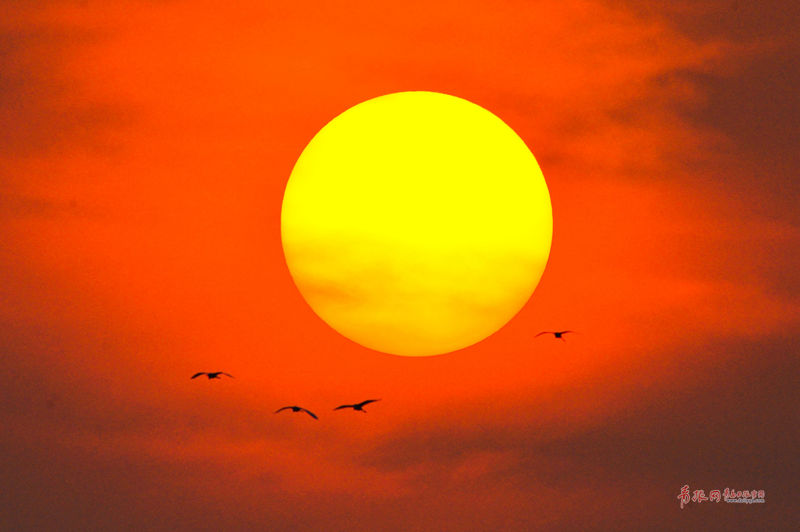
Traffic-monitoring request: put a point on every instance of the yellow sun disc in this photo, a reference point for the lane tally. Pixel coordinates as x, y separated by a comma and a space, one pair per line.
416, 223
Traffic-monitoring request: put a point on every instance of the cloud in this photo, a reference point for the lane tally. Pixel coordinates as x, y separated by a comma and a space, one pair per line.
711, 423
41, 110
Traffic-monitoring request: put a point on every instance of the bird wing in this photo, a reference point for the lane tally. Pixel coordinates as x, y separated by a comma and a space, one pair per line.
310, 413
228, 374
543, 332
283, 408
343, 406
565, 332
198, 374
368, 401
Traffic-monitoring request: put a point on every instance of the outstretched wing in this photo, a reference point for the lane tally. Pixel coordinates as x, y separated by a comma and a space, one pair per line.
368, 401
283, 408
543, 332
228, 374
198, 374
343, 406
310, 413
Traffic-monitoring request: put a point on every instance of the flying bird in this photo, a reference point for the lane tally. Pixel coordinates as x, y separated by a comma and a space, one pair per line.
556, 334
212, 374
358, 406
297, 409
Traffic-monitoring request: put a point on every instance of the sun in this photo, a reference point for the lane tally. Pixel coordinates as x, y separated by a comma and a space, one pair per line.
416, 223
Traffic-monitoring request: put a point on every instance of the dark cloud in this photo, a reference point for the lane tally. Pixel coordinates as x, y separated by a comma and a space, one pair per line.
756, 110
758, 106
748, 97
729, 19
18, 206
42, 107
733, 426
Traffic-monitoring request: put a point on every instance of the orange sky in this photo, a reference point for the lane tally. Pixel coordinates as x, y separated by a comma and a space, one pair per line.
144, 149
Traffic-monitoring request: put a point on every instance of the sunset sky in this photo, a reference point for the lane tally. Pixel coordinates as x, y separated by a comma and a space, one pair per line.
144, 151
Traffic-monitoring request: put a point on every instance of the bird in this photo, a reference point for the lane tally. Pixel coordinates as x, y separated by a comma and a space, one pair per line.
358, 406
297, 409
556, 334
212, 374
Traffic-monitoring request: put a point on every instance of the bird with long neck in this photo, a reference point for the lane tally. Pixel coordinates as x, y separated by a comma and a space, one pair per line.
358, 406
297, 409
559, 335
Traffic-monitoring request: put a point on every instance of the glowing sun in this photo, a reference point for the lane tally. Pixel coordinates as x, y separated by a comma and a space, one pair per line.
416, 223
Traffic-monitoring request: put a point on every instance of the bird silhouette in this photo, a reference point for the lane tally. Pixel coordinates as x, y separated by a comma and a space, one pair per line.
212, 374
358, 406
297, 409
556, 334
